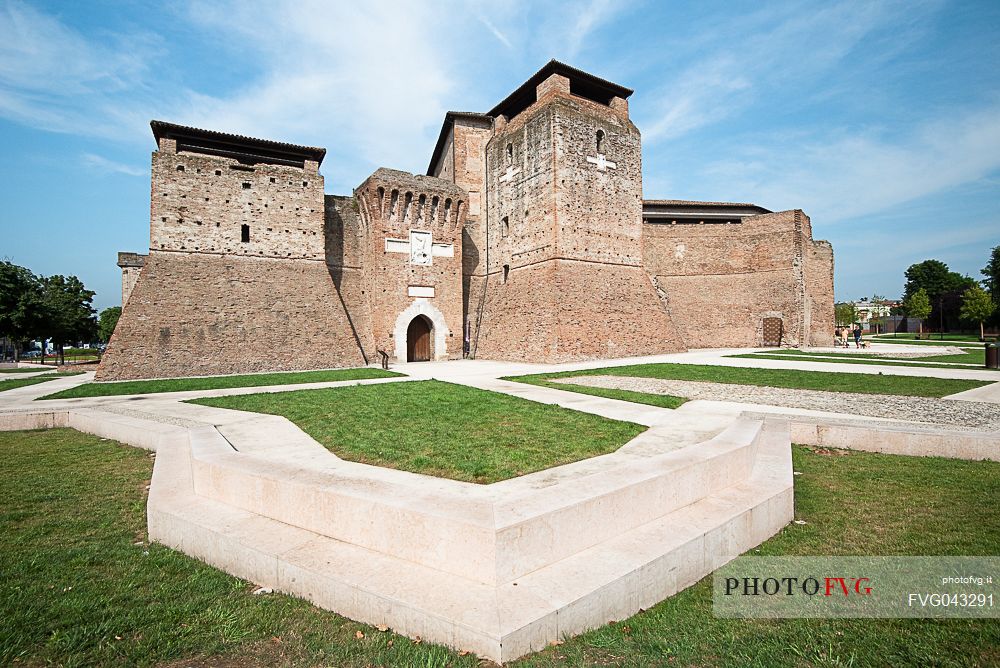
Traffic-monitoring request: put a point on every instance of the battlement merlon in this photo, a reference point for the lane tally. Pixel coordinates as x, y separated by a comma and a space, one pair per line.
246, 150
399, 200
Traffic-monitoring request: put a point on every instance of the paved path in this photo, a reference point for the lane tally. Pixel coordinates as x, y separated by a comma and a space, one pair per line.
985, 416
697, 419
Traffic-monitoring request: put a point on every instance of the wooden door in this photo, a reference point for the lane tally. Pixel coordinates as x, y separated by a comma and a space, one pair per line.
418, 340
772, 332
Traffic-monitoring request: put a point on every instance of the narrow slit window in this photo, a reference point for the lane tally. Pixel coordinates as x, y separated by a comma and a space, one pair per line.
506, 272
505, 229
510, 154
394, 201
245, 233
600, 141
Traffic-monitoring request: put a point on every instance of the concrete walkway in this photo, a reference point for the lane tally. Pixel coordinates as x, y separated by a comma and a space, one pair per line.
694, 422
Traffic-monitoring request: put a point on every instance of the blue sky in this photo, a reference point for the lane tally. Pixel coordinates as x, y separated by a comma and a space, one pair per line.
880, 119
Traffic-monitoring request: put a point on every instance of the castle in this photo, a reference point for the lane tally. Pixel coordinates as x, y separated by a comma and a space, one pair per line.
528, 239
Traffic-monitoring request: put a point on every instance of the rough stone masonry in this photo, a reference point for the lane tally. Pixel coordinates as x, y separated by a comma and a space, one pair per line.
528, 239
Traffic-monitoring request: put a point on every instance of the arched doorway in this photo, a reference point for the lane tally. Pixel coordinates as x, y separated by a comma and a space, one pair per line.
418, 340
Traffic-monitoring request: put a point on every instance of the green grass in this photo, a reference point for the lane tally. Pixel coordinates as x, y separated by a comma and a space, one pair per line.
441, 429
977, 357
76, 591
933, 338
23, 370
661, 400
788, 378
217, 382
919, 365
856, 504
14, 383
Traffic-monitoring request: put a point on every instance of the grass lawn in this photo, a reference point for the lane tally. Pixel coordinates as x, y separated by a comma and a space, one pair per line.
661, 400
977, 357
14, 383
933, 338
217, 382
76, 589
23, 370
441, 429
789, 378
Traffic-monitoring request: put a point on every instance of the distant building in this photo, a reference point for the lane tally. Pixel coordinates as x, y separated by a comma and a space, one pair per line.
873, 310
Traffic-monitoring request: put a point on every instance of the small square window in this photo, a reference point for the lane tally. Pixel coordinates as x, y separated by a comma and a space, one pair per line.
246, 185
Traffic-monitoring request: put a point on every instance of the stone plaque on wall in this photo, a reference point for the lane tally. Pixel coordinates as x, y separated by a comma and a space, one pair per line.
420, 247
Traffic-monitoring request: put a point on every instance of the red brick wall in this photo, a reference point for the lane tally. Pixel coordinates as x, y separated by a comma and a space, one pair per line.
390, 275
203, 314
720, 281
575, 288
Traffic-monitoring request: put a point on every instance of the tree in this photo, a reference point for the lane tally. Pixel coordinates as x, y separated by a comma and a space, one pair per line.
944, 288
845, 313
991, 272
20, 304
918, 305
107, 321
977, 306
68, 315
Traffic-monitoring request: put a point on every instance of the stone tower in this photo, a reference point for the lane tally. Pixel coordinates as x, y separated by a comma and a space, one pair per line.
236, 279
559, 242
411, 252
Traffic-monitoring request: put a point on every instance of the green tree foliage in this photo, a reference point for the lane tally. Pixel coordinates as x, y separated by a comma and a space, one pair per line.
21, 314
845, 314
918, 305
106, 322
991, 273
944, 289
68, 313
977, 306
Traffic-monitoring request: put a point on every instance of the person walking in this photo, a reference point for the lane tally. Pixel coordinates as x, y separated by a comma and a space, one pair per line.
857, 336
836, 337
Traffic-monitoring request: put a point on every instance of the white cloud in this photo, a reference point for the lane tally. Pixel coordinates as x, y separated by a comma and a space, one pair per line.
101, 164
496, 32
765, 54
52, 78
366, 79
844, 175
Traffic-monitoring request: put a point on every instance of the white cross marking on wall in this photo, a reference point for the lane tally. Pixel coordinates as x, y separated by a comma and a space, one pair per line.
602, 162
419, 247
511, 171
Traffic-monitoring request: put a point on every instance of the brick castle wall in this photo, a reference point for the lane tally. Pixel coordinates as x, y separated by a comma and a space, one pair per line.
565, 279
203, 314
721, 280
217, 298
393, 204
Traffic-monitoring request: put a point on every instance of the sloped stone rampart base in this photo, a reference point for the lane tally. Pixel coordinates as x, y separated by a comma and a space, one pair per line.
564, 311
202, 315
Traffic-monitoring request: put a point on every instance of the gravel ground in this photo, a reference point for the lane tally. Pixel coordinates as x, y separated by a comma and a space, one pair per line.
951, 412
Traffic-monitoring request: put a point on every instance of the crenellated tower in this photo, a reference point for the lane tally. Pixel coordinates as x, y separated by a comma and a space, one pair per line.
412, 253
